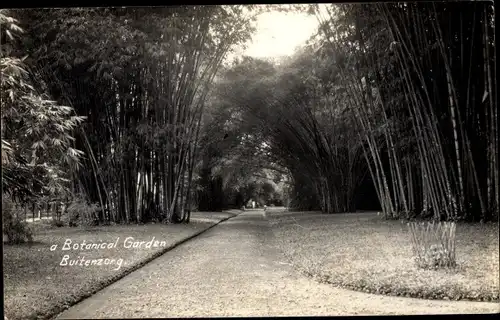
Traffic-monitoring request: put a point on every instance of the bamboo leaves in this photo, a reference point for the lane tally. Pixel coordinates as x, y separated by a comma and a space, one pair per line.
36, 131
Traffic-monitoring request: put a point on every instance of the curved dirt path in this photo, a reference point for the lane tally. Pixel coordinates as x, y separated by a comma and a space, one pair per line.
234, 270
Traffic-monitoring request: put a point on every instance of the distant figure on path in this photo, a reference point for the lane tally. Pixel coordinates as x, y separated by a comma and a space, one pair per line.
253, 204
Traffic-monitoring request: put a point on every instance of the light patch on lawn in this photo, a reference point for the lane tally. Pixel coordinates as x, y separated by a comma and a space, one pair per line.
362, 251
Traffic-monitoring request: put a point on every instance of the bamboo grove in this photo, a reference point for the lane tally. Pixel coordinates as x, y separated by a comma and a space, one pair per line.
394, 100
141, 77
403, 92
433, 87
421, 88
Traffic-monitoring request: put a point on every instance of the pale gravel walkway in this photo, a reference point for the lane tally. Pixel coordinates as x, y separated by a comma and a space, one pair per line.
234, 270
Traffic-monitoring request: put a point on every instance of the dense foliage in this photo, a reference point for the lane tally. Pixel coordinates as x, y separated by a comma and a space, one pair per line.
393, 99
141, 77
405, 92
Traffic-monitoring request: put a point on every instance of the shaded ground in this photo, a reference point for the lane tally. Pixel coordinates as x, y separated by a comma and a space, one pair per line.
235, 269
37, 286
363, 251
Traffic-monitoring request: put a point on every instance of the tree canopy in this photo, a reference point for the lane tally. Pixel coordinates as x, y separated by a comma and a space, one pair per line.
133, 110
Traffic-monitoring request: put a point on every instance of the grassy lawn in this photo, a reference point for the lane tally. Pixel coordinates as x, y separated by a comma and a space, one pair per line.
363, 252
37, 287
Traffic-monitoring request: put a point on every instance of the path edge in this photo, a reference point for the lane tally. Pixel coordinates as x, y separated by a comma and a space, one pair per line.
57, 310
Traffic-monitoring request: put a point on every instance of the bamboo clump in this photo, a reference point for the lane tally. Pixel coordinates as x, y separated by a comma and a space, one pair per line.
433, 244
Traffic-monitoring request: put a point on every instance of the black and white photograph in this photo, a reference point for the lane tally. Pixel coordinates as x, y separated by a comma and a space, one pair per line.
249, 160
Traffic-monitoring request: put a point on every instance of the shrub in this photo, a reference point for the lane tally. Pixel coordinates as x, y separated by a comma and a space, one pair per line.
56, 223
433, 244
81, 213
14, 227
